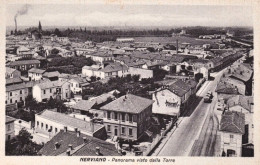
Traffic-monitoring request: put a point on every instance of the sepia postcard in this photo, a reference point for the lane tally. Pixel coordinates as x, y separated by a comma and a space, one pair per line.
130, 82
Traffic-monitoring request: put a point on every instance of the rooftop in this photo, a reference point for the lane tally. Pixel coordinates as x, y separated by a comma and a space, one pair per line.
24, 62
243, 101
233, 122
79, 147
9, 119
35, 70
67, 120
128, 103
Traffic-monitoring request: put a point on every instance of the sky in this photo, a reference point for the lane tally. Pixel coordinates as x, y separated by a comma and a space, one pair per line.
130, 15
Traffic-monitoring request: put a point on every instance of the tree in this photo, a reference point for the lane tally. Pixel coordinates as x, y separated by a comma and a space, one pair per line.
55, 51
57, 32
22, 145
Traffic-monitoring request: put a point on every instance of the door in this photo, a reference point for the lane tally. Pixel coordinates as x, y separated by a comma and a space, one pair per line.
116, 131
231, 153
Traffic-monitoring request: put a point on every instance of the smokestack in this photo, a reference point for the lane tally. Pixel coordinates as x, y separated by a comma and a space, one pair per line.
177, 46
22, 11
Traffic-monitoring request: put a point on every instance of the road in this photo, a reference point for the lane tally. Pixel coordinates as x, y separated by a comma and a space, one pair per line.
180, 143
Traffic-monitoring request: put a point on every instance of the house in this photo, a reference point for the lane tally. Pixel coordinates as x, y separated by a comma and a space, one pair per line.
106, 71
143, 73
232, 127
51, 89
127, 117
53, 76
9, 128
12, 57
84, 106
245, 105
125, 40
13, 81
12, 73
101, 56
15, 94
78, 84
50, 123
35, 74
73, 143
173, 97
24, 65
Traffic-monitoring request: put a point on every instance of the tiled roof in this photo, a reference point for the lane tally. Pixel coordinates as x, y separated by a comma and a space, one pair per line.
51, 84
24, 62
9, 70
180, 87
243, 101
226, 88
128, 103
233, 122
67, 120
35, 70
79, 147
113, 67
13, 80
15, 87
51, 74
9, 119
83, 105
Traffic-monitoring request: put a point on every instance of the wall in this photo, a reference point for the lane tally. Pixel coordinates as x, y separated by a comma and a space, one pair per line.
144, 73
16, 96
235, 145
159, 106
9, 132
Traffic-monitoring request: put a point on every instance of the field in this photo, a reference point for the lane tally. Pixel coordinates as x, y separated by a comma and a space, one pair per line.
181, 39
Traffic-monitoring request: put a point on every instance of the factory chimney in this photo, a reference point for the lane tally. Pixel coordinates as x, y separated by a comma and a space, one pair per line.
177, 46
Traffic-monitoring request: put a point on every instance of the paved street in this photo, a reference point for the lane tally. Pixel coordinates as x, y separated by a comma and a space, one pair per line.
181, 141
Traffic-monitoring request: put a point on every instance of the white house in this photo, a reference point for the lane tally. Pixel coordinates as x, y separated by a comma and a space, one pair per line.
232, 127
51, 89
110, 70
12, 73
35, 74
9, 128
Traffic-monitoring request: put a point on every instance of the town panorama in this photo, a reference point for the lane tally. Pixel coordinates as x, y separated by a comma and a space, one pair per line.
127, 90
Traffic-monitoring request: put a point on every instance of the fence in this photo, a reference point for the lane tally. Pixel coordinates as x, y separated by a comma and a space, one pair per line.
158, 138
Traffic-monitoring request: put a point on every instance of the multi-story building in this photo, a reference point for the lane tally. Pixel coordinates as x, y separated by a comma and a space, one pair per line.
174, 97
110, 70
9, 128
51, 89
24, 65
16, 94
232, 127
12, 73
35, 74
127, 117
50, 123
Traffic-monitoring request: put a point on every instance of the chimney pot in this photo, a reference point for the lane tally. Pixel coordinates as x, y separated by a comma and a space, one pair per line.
68, 152
56, 145
78, 134
97, 151
70, 146
65, 129
85, 139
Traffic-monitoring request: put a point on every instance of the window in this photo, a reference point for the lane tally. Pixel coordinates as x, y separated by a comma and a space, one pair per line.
123, 130
11, 94
15, 101
46, 126
56, 130
130, 132
108, 115
42, 125
108, 128
21, 92
231, 138
21, 99
116, 116
130, 118
51, 128
44, 92
50, 91
123, 117
8, 127
11, 101
37, 123
252, 125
